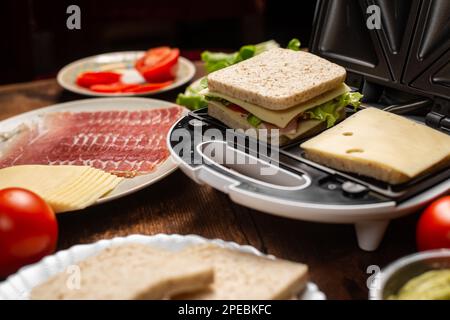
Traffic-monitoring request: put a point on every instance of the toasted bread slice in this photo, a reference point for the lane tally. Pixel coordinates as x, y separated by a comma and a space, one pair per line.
278, 79
241, 275
132, 271
381, 145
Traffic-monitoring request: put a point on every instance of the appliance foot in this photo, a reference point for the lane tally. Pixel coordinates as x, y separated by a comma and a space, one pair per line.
370, 233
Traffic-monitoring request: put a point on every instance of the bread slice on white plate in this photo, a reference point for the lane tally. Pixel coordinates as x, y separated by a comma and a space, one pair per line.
241, 276
381, 145
132, 271
278, 79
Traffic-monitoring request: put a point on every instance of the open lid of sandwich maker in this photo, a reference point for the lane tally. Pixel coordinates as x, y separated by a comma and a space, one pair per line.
403, 67
397, 53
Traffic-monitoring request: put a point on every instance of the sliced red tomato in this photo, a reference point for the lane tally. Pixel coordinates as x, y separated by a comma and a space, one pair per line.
28, 229
112, 88
155, 55
88, 79
236, 108
158, 64
148, 87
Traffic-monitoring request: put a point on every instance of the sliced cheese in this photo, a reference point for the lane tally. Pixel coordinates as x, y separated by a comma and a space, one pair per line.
76, 185
306, 126
64, 188
281, 118
39, 178
83, 190
237, 121
93, 193
381, 145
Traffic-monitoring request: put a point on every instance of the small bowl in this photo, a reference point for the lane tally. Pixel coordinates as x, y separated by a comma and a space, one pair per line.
392, 278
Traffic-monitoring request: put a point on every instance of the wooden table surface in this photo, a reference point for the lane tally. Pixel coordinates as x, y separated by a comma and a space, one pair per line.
178, 205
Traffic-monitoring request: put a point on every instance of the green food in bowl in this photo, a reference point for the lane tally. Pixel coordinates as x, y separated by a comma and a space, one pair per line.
431, 285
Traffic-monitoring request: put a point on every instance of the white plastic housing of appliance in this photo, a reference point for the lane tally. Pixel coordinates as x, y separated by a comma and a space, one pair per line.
370, 219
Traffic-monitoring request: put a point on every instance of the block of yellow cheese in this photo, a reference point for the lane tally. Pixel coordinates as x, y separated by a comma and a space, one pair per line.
64, 188
380, 145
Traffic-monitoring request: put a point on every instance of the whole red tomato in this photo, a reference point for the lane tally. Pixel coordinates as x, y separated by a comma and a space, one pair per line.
433, 228
28, 229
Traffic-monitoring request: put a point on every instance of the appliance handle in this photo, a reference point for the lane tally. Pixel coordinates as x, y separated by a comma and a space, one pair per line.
225, 165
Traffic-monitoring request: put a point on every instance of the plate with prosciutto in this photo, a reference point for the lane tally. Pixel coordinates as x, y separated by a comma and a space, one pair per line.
128, 73
124, 137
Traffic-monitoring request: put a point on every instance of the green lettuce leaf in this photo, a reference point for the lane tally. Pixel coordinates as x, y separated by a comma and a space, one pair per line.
254, 120
329, 111
192, 102
192, 98
218, 60
352, 99
264, 46
294, 44
222, 101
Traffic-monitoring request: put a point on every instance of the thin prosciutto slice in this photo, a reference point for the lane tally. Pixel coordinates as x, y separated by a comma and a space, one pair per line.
125, 143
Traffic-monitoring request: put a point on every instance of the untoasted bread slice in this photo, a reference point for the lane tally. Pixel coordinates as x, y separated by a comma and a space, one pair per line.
278, 79
132, 271
241, 275
381, 145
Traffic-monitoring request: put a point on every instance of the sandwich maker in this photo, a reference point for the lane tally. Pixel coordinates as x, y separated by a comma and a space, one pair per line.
403, 67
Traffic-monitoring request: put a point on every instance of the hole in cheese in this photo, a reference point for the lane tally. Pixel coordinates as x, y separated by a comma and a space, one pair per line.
347, 133
356, 150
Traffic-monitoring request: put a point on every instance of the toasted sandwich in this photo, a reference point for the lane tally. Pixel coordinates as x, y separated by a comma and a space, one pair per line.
296, 92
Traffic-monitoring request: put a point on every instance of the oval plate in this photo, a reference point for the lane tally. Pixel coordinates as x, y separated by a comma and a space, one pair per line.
117, 61
19, 285
127, 186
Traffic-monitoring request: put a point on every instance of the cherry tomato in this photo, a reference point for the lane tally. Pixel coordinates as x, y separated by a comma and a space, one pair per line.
28, 229
112, 88
88, 79
158, 64
148, 87
433, 228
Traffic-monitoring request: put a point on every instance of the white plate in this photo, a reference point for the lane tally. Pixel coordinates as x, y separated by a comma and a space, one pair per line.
120, 61
127, 186
19, 285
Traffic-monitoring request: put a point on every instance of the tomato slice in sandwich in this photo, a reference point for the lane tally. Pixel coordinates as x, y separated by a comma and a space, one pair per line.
237, 108
158, 64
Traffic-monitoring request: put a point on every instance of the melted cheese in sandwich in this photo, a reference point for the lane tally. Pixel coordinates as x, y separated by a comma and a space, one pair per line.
281, 118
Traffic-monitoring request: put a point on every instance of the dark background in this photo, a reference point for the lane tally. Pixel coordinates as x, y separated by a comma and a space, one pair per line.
35, 42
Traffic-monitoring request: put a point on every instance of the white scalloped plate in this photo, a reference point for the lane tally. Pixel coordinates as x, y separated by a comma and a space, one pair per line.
127, 186
106, 62
19, 285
